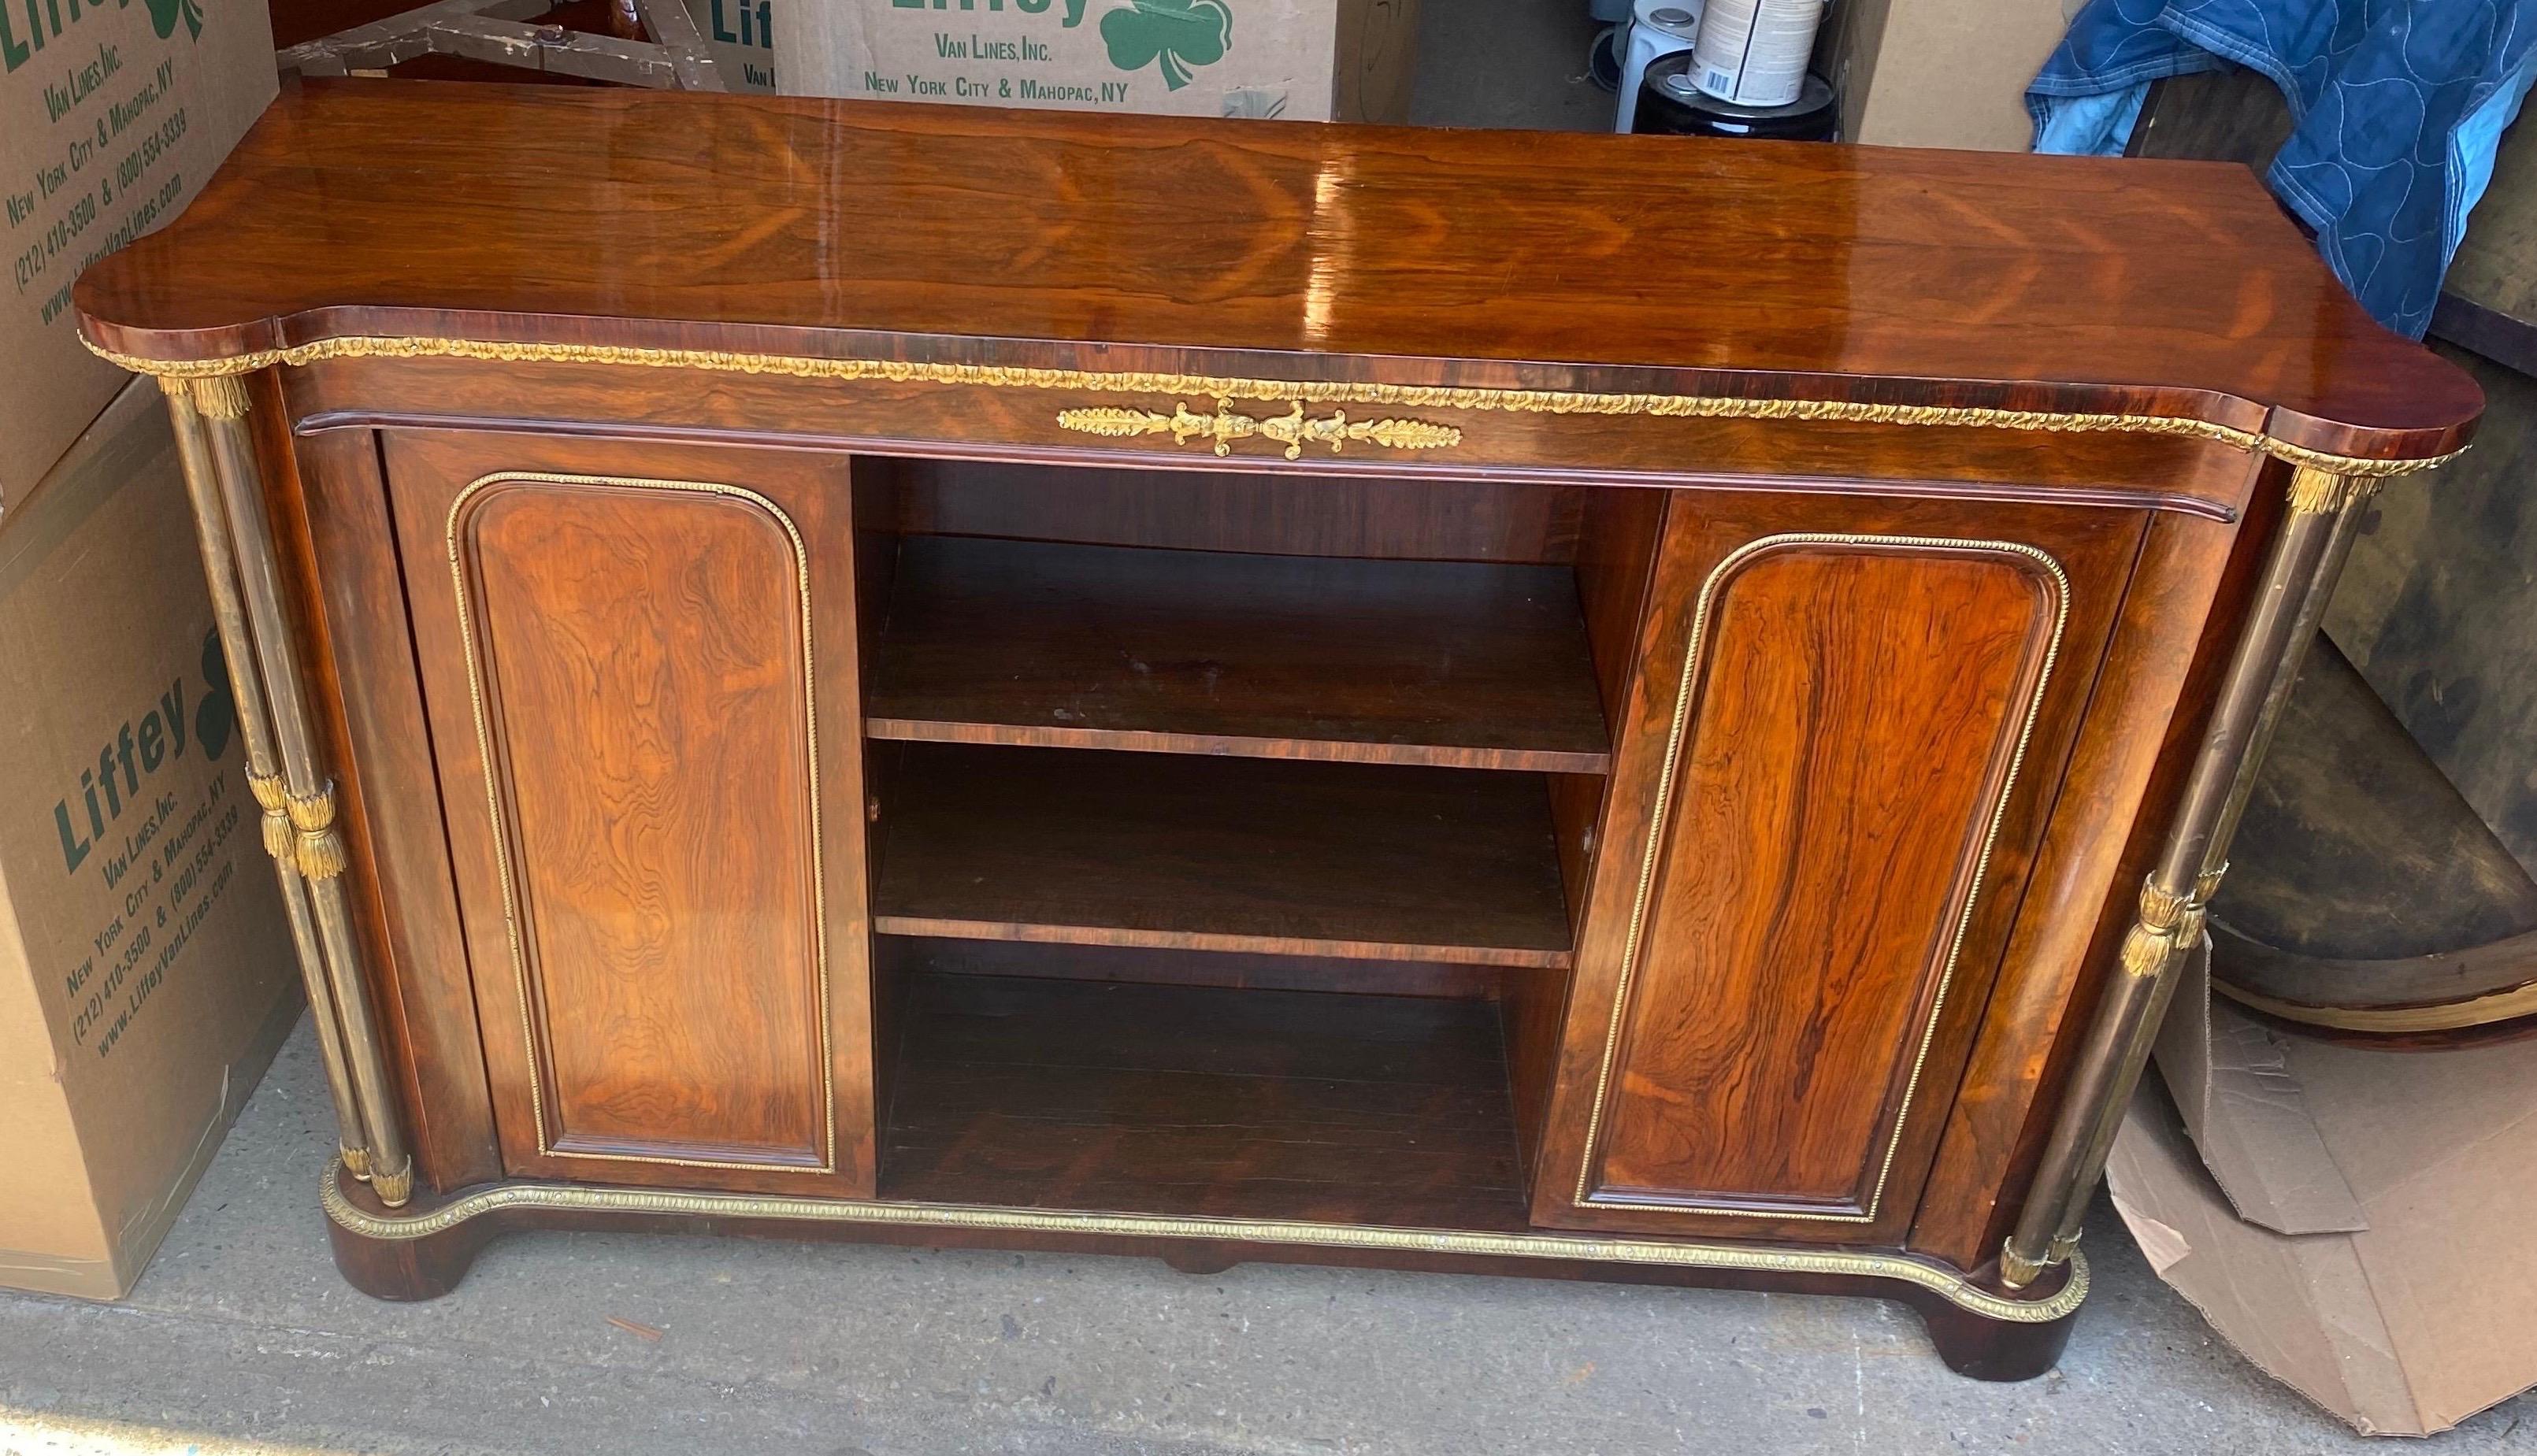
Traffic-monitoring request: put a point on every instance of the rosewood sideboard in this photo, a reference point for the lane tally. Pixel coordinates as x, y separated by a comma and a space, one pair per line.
1589, 706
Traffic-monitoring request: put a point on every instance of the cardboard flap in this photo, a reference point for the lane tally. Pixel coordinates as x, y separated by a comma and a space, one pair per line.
2299, 1307
2419, 1315
2245, 1109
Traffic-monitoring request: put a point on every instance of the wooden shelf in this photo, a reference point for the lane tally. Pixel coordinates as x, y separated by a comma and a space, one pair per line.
1354, 861
1186, 1100
1443, 662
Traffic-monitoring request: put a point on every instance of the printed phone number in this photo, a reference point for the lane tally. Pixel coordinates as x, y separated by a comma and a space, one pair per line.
56, 239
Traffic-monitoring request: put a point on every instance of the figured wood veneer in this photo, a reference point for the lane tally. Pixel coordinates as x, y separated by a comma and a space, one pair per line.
391, 795
1762, 944
642, 664
1856, 710
822, 228
697, 1009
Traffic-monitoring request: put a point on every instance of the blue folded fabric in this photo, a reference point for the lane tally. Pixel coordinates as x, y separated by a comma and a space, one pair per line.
2397, 108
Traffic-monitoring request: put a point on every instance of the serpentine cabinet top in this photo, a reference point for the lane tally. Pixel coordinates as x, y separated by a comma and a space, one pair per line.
364, 216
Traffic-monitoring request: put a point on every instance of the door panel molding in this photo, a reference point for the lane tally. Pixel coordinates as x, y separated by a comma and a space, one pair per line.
2023, 710
819, 1153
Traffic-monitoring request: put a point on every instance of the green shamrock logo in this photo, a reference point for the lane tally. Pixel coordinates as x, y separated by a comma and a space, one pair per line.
163, 15
1179, 33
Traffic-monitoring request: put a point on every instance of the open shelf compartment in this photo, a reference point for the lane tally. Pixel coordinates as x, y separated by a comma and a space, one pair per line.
1461, 663
1354, 860
1186, 1100
1227, 827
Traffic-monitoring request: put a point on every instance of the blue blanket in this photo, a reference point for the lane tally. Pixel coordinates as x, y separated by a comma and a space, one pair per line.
2397, 108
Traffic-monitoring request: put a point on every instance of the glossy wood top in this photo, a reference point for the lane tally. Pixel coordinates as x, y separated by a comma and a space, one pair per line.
949, 233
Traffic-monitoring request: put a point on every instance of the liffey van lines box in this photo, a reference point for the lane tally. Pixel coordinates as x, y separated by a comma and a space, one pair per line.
158, 856
113, 114
740, 34
1309, 60
145, 975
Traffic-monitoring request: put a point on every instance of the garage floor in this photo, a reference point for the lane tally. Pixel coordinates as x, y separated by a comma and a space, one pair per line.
1519, 63
241, 1335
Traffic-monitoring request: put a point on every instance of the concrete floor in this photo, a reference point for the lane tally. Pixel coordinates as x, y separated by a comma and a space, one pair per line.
241, 1333
1507, 63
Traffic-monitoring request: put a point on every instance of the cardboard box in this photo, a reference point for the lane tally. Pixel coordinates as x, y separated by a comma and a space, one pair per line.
111, 117
1938, 73
740, 34
2355, 1221
146, 970
1307, 60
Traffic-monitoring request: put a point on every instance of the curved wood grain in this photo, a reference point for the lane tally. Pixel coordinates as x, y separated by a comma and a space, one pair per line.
642, 663
1861, 709
792, 226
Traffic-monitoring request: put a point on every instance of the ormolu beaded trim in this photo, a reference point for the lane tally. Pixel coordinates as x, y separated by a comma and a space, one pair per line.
1282, 391
1953, 1287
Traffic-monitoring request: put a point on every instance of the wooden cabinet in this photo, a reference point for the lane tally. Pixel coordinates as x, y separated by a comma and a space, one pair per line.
1212, 690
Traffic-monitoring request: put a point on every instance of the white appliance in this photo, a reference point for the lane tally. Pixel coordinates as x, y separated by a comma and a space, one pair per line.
1658, 27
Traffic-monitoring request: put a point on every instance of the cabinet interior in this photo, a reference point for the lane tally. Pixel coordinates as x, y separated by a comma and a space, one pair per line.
1228, 829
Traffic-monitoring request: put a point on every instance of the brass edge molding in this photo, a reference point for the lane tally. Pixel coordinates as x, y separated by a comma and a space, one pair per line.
1447, 397
1686, 690
470, 653
1686, 1254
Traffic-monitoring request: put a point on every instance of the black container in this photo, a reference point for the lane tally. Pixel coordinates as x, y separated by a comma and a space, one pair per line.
1670, 105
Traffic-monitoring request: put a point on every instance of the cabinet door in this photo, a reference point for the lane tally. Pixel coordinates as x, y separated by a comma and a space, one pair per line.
1830, 779
638, 664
